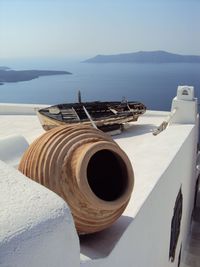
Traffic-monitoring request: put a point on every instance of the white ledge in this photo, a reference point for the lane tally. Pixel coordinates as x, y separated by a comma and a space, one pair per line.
36, 226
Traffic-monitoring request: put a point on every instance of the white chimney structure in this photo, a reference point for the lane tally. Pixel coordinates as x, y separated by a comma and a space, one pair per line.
185, 105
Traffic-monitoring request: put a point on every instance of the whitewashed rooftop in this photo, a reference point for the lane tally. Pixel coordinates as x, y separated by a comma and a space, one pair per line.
157, 163
144, 150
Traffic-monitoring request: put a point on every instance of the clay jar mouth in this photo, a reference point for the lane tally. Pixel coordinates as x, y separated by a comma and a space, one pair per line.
105, 174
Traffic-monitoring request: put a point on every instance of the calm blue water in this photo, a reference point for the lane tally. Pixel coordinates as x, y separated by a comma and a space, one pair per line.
153, 84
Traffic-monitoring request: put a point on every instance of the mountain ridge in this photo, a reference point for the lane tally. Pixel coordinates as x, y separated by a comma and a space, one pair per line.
158, 56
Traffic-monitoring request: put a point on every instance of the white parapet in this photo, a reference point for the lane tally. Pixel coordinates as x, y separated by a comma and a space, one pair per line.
12, 149
164, 165
185, 105
36, 226
19, 109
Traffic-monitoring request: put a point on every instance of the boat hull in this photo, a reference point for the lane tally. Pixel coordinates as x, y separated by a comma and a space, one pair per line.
49, 123
104, 115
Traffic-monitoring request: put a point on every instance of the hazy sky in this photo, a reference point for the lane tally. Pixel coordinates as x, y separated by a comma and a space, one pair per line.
83, 28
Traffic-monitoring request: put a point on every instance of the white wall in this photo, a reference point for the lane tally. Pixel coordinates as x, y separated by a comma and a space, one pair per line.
12, 149
19, 109
146, 241
36, 226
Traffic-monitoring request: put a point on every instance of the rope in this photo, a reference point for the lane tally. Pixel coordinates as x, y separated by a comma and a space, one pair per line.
165, 123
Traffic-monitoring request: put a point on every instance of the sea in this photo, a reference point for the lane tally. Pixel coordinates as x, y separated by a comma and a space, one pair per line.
155, 85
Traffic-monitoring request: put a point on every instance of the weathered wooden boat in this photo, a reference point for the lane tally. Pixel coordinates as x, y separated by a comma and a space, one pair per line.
107, 116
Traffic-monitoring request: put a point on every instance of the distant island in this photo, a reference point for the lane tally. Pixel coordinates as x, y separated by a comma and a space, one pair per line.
11, 76
4, 68
144, 57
